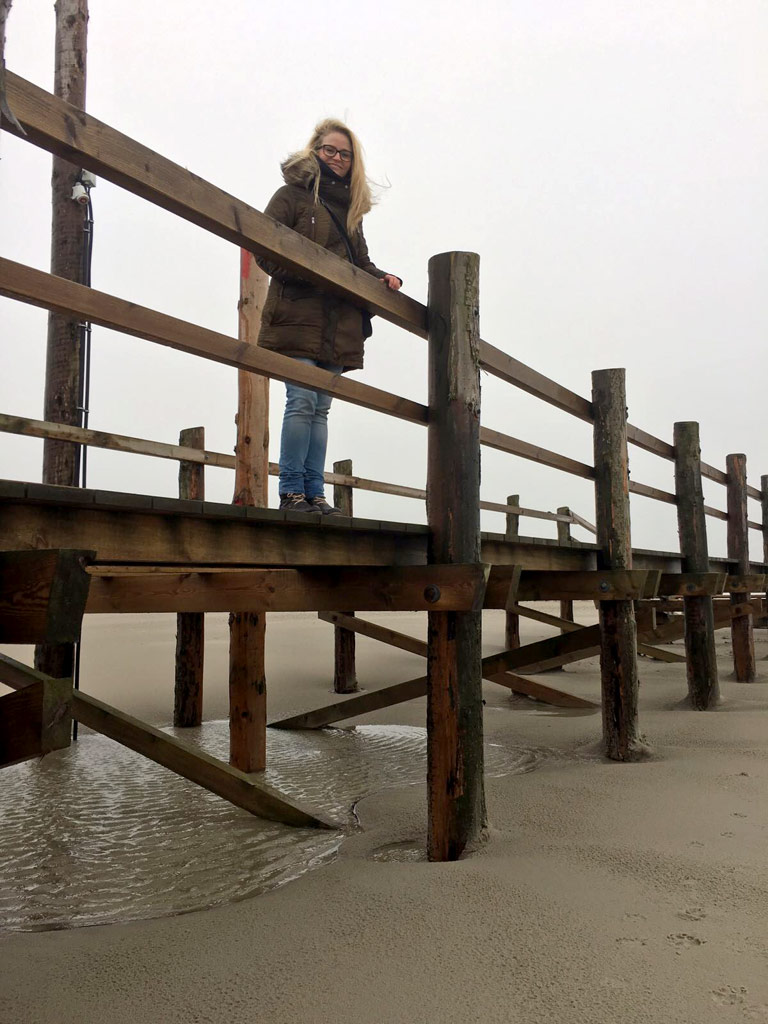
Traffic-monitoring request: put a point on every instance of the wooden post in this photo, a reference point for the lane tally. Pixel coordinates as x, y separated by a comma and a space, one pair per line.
618, 634
701, 662
190, 626
742, 636
344, 673
512, 623
455, 787
247, 630
63, 356
564, 538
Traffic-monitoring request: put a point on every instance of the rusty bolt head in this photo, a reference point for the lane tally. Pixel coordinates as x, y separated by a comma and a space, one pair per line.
432, 593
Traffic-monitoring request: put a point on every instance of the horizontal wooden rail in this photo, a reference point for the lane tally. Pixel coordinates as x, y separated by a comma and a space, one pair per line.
66, 131
511, 370
369, 588
40, 289
514, 446
26, 427
652, 492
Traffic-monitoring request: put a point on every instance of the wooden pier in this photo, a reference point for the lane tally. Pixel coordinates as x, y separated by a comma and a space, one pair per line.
191, 556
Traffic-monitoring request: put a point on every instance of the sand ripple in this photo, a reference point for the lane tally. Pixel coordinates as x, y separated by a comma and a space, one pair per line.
97, 834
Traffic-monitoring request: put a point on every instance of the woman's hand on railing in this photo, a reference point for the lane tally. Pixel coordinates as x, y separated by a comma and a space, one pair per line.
393, 283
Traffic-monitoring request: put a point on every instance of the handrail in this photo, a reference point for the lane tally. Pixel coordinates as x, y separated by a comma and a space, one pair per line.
40, 289
67, 131
25, 427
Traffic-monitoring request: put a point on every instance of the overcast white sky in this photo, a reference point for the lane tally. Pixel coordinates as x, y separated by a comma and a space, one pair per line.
607, 160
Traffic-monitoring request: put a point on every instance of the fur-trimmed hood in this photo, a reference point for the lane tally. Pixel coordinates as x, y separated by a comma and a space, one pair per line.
304, 173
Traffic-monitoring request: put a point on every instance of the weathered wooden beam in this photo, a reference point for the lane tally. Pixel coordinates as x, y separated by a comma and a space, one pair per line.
701, 660
190, 626
65, 357
136, 528
618, 638
39, 289
764, 508
539, 656
455, 788
26, 427
692, 584
569, 626
42, 595
372, 588
344, 671
534, 453
564, 538
553, 585
193, 764
69, 132
742, 635
656, 493
745, 584
512, 534
37, 717
538, 691
248, 629
408, 643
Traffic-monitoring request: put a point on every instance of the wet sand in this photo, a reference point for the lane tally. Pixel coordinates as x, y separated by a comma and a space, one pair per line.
604, 893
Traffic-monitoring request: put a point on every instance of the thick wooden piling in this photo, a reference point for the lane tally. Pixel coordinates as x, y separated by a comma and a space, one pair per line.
564, 538
742, 635
190, 626
618, 633
764, 506
456, 795
512, 533
344, 671
247, 630
701, 662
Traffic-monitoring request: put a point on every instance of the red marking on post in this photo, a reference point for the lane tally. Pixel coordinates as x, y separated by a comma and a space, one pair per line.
246, 261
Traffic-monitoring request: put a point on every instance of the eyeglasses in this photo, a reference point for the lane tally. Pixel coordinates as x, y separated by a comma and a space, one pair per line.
331, 152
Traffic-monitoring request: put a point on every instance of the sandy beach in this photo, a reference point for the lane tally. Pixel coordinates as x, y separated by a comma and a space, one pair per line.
604, 892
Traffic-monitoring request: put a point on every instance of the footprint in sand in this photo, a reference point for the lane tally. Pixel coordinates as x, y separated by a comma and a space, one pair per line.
692, 914
736, 814
728, 835
727, 995
684, 941
635, 917
627, 940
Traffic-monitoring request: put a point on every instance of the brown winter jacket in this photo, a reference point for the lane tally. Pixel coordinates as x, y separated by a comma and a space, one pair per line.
299, 319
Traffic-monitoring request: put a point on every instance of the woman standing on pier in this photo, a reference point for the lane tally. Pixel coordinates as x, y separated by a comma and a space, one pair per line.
325, 196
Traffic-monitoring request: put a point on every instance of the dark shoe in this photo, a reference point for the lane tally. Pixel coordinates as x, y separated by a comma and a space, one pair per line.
319, 504
295, 503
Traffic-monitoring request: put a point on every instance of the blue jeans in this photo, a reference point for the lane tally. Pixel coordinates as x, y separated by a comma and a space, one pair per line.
304, 437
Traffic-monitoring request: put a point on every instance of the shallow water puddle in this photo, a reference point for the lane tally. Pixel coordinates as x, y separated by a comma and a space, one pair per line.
97, 834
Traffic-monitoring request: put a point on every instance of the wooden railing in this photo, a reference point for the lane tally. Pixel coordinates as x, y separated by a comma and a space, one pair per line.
25, 427
76, 136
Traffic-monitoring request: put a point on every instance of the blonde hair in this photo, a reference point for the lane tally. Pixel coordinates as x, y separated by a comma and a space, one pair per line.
361, 198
